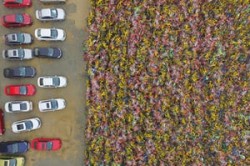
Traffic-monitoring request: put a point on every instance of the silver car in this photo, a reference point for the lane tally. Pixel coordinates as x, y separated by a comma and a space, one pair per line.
18, 38
17, 54
50, 14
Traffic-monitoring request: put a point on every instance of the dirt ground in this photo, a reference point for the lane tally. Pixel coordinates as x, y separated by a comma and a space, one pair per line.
67, 124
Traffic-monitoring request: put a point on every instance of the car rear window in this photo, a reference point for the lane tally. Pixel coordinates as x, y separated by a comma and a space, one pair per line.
20, 127
41, 81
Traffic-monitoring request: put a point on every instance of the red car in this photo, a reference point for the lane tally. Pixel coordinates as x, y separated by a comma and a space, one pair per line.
16, 20
17, 3
49, 144
2, 128
20, 90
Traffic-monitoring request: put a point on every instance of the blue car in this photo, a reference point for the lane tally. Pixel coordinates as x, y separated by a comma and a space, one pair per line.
14, 147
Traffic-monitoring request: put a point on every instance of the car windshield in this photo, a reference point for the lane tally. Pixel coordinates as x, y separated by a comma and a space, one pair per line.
56, 81
12, 162
23, 106
20, 37
20, 53
10, 107
49, 145
22, 71
53, 33
50, 51
20, 127
29, 125
53, 13
23, 90
19, 1
19, 18
54, 104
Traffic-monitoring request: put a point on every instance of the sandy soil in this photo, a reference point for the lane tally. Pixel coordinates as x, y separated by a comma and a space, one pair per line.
67, 124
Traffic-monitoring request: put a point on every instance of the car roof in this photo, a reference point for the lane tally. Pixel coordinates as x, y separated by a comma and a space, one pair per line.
46, 12
45, 32
48, 80
16, 107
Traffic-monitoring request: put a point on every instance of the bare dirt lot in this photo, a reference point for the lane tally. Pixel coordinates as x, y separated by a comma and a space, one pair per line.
67, 124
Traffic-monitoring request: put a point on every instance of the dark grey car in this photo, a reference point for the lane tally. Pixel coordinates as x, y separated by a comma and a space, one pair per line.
47, 52
19, 72
18, 38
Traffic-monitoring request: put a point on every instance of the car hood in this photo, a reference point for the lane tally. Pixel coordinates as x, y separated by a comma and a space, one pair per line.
23, 147
63, 81
30, 71
58, 52
36, 122
61, 34
28, 54
61, 103
27, 38
27, 19
60, 14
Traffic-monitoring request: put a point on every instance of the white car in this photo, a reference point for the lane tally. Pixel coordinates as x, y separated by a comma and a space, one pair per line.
51, 105
26, 125
52, 81
18, 106
17, 54
50, 14
50, 34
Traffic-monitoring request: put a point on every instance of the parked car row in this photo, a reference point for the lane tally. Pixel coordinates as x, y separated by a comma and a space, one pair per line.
43, 105
23, 19
26, 71
26, 54
30, 89
26, 3
19, 147
42, 34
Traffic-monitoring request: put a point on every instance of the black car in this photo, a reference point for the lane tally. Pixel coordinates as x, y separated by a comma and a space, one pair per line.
18, 38
47, 52
14, 147
19, 72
